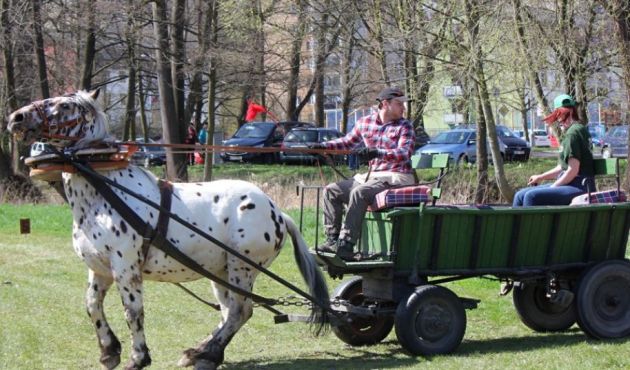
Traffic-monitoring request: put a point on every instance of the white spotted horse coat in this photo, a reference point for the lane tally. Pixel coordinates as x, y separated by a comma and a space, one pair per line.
235, 212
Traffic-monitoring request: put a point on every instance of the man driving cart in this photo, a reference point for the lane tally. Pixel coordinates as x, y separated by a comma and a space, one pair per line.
388, 140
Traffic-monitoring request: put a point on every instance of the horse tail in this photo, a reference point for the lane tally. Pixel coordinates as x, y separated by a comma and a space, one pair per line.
312, 276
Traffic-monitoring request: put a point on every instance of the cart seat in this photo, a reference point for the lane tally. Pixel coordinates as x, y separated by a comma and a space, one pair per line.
604, 168
414, 195
407, 196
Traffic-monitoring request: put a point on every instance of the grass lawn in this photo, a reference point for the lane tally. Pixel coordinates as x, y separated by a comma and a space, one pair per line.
43, 324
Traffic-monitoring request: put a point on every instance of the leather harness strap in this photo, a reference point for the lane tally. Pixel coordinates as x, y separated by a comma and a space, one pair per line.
166, 195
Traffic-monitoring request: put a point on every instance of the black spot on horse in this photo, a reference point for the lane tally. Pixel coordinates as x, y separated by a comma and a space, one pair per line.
119, 254
240, 230
198, 194
132, 297
243, 197
123, 226
225, 220
216, 199
267, 237
248, 206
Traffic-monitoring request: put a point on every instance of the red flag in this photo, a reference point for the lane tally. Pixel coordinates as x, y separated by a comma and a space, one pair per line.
252, 111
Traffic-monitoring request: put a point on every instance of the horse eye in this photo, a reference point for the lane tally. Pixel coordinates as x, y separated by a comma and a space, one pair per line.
65, 106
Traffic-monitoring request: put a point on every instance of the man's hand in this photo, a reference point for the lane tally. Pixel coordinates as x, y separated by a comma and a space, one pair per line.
369, 153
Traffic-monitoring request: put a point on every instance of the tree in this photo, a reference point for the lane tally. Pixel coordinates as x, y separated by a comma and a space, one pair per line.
620, 11
175, 162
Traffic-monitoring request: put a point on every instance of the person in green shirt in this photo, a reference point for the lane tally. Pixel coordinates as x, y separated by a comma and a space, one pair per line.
574, 174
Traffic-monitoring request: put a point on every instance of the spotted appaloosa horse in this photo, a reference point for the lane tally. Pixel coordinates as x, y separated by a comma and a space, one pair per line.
235, 212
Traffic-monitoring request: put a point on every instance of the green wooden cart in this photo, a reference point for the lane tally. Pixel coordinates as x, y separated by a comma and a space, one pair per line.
563, 264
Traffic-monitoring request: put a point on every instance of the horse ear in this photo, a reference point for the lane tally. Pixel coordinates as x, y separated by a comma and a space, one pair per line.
94, 93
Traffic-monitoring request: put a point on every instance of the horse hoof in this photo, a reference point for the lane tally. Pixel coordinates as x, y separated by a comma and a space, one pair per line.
205, 365
110, 362
188, 359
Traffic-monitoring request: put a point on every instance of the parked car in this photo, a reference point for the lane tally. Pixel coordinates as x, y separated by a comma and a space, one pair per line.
302, 137
258, 135
148, 155
460, 144
513, 148
39, 148
540, 138
615, 142
597, 131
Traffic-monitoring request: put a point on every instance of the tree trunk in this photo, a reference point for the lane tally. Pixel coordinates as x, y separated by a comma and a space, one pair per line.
621, 17
534, 79
90, 53
39, 50
294, 60
175, 162
212, 36
143, 113
481, 192
473, 18
178, 23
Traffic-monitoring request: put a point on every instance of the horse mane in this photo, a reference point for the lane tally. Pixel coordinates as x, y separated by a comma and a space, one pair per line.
100, 122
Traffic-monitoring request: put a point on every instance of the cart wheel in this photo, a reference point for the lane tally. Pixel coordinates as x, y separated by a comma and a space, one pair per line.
538, 313
362, 331
603, 302
431, 321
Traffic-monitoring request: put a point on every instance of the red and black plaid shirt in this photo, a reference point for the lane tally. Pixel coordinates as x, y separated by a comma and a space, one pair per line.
394, 141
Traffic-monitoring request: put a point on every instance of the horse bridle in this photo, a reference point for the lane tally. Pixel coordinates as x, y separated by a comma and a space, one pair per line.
47, 127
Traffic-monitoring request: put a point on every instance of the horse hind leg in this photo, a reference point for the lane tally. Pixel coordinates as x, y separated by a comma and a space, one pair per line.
94, 297
235, 311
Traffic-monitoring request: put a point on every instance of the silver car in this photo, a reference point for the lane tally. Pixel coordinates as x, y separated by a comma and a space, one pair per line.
615, 142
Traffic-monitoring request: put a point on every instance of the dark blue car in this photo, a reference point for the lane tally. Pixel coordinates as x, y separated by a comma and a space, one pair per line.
258, 135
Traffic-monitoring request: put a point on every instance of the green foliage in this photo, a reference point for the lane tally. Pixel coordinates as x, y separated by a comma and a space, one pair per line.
44, 325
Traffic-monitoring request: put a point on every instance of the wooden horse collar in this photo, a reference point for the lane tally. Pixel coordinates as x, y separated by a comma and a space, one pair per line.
48, 167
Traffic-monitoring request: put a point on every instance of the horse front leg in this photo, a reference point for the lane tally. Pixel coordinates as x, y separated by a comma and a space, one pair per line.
107, 341
129, 284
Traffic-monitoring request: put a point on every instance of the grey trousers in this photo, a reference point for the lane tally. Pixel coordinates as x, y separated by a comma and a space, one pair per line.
358, 197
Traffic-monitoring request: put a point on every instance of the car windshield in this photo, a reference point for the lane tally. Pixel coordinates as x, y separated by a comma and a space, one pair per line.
301, 136
450, 137
253, 131
505, 132
620, 132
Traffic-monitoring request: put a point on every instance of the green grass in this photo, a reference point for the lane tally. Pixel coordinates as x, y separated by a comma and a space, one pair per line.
43, 324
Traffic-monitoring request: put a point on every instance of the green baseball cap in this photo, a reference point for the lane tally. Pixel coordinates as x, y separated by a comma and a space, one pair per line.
563, 100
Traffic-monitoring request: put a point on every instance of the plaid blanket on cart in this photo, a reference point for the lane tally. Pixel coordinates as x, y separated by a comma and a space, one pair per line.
607, 196
398, 197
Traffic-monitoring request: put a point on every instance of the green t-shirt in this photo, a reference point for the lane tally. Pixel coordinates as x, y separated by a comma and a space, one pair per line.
576, 144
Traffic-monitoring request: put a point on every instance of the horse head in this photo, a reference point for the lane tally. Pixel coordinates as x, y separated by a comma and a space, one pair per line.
69, 121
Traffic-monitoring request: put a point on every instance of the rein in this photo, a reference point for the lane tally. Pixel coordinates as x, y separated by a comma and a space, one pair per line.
100, 183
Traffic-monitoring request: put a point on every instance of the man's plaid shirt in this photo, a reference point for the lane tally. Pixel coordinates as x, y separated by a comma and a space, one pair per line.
394, 141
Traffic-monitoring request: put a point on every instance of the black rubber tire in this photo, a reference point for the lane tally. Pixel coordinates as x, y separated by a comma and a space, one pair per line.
603, 300
537, 312
362, 331
431, 321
